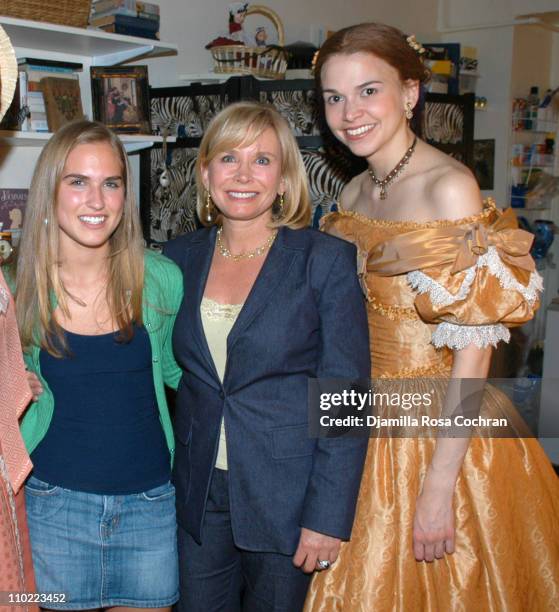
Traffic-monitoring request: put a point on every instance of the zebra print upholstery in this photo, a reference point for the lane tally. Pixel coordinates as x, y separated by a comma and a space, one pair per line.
173, 208
298, 107
443, 123
184, 116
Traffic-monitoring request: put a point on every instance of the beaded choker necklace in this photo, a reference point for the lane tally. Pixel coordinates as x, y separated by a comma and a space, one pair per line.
394, 173
225, 252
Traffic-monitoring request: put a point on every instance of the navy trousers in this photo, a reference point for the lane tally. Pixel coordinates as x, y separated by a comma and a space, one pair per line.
219, 577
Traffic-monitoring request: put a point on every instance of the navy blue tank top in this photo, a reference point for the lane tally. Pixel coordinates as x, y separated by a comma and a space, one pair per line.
105, 436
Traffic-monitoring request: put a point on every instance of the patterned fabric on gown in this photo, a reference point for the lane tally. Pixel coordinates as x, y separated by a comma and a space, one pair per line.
431, 287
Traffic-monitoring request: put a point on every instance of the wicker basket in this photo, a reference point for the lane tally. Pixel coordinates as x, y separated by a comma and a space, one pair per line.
264, 62
65, 12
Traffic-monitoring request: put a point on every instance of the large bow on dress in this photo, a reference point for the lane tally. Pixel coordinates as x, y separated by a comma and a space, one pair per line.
456, 245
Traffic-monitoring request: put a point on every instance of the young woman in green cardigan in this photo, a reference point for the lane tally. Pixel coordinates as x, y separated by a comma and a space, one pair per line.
95, 313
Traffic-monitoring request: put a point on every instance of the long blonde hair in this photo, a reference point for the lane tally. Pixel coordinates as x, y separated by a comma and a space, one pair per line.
239, 125
38, 280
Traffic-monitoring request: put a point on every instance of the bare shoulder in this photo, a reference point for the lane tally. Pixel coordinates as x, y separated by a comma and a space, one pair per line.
351, 192
453, 191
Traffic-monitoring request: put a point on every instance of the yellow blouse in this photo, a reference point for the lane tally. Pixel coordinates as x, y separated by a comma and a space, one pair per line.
217, 321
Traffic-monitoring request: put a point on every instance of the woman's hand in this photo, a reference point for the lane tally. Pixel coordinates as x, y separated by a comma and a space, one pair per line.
314, 547
433, 524
34, 384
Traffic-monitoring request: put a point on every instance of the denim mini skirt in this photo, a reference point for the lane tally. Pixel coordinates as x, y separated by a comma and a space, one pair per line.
100, 551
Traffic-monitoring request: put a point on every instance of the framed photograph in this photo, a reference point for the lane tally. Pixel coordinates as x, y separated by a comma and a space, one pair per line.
121, 98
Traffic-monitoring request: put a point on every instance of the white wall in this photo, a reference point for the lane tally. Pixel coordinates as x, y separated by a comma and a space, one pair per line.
554, 77
494, 50
461, 13
531, 42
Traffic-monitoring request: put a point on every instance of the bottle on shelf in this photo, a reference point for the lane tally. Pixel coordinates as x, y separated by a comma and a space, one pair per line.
550, 143
533, 100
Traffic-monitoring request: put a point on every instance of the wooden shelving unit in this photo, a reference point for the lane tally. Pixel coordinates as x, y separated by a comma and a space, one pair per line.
89, 47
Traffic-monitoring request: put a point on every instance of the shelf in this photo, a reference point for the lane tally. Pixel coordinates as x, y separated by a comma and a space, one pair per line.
533, 166
519, 197
215, 77
544, 213
524, 131
101, 47
132, 142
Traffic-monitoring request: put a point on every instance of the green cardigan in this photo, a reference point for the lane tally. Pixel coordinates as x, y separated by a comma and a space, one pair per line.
162, 296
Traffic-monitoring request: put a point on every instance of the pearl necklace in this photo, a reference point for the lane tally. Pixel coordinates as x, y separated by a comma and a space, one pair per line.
225, 252
394, 173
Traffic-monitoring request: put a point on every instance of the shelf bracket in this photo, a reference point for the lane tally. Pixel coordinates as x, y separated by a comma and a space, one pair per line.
119, 57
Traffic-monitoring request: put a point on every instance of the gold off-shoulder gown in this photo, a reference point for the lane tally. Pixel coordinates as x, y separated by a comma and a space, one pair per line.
476, 279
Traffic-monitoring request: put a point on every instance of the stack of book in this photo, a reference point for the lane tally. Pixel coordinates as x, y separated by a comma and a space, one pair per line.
129, 17
36, 79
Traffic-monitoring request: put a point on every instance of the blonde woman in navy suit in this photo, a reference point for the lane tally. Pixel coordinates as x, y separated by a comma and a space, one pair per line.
268, 304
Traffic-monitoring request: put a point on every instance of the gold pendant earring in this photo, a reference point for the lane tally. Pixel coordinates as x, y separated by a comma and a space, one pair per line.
409, 111
209, 209
277, 207
280, 205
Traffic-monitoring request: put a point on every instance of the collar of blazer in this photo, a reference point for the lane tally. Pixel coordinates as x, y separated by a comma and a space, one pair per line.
274, 271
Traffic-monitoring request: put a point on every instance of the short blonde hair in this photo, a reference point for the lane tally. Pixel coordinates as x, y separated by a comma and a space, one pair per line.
38, 263
239, 125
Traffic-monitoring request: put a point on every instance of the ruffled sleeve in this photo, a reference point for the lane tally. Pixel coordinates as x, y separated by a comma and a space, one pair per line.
473, 281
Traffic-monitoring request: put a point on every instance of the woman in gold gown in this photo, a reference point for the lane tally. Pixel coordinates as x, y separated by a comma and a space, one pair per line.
447, 524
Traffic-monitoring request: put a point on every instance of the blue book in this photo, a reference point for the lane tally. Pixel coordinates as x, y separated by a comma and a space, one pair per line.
115, 28
137, 23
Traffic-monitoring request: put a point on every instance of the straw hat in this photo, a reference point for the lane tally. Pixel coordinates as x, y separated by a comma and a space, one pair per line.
8, 72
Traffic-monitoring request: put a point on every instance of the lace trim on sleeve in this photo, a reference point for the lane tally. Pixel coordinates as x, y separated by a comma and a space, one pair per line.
460, 336
4, 300
440, 296
497, 268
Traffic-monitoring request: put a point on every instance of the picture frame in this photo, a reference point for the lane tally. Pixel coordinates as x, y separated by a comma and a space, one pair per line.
121, 98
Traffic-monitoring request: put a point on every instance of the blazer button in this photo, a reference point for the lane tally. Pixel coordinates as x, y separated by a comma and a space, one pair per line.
222, 395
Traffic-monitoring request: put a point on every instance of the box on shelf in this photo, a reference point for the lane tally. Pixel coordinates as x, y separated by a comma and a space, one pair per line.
448, 52
441, 72
123, 7
64, 12
132, 26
